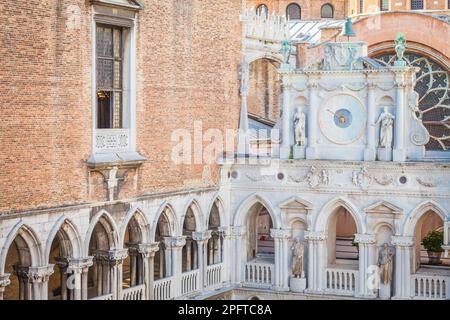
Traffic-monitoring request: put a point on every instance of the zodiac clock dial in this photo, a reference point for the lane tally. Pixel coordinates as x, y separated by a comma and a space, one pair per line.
342, 119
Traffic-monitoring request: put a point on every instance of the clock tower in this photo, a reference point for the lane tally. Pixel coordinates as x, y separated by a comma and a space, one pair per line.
356, 109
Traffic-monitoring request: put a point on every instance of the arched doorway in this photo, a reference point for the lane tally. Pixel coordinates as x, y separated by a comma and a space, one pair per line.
215, 243
429, 222
190, 249
260, 244
102, 276
163, 229
22, 255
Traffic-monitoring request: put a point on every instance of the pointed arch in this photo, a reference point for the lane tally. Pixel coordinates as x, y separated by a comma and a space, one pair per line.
411, 220
321, 222
166, 211
141, 222
31, 240
198, 214
110, 226
70, 233
217, 201
245, 206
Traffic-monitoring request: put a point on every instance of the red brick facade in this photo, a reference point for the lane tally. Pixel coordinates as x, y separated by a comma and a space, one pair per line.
188, 54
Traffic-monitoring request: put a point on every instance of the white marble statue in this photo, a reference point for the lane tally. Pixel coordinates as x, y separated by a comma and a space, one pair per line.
300, 128
298, 254
386, 129
385, 262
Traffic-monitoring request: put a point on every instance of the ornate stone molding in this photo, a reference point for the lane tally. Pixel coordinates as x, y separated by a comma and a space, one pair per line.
202, 236
362, 178
317, 177
365, 238
4, 280
280, 233
315, 235
428, 184
113, 257
402, 241
145, 249
40, 274
174, 242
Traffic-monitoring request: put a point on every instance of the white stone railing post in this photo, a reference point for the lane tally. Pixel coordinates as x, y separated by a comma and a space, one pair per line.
317, 258
281, 237
402, 274
366, 245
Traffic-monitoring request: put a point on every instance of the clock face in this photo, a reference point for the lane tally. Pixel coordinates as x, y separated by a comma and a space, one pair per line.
342, 119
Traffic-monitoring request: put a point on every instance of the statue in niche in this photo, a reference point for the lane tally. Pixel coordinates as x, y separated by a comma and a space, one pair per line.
386, 129
286, 50
385, 262
300, 126
400, 46
298, 255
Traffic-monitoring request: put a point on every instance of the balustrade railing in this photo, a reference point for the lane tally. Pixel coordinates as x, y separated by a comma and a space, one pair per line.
163, 289
104, 297
341, 281
214, 275
189, 282
430, 286
134, 293
258, 274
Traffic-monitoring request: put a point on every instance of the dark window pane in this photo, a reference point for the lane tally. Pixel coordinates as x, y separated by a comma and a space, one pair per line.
293, 11
262, 9
104, 100
327, 11
105, 74
416, 4
104, 42
384, 5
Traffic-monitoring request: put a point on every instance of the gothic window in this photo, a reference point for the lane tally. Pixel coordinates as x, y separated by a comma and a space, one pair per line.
433, 87
293, 12
327, 11
384, 5
416, 4
109, 47
361, 6
262, 9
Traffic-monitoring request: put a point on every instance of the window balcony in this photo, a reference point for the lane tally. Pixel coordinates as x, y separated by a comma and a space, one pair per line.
111, 140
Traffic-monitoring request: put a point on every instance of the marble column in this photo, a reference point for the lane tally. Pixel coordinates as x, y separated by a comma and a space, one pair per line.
202, 245
243, 137
112, 264
367, 258
281, 277
34, 281
62, 264
146, 254
4, 282
399, 153
226, 248
78, 269
285, 149
317, 261
370, 152
402, 265
312, 124
174, 246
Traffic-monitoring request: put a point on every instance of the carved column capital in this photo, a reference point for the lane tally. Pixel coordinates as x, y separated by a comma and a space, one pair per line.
365, 239
113, 257
238, 231
4, 280
175, 242
79, 265
315, 235
280, 233
202, 236
40, 274
401, 241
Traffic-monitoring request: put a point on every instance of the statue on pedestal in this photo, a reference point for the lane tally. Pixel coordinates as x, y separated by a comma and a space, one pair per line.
298, 259
286, 49
385, 262
400, 46
386, 129
300, 126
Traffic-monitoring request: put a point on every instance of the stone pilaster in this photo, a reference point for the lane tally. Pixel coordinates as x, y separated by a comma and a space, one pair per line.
367, 258
226, 258
317, 261
399, 153
281, 238
285, 149
371, 149
402, 263
312, 125
239, 257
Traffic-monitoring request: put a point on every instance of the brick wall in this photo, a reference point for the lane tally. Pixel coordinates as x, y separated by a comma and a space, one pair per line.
188, 54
